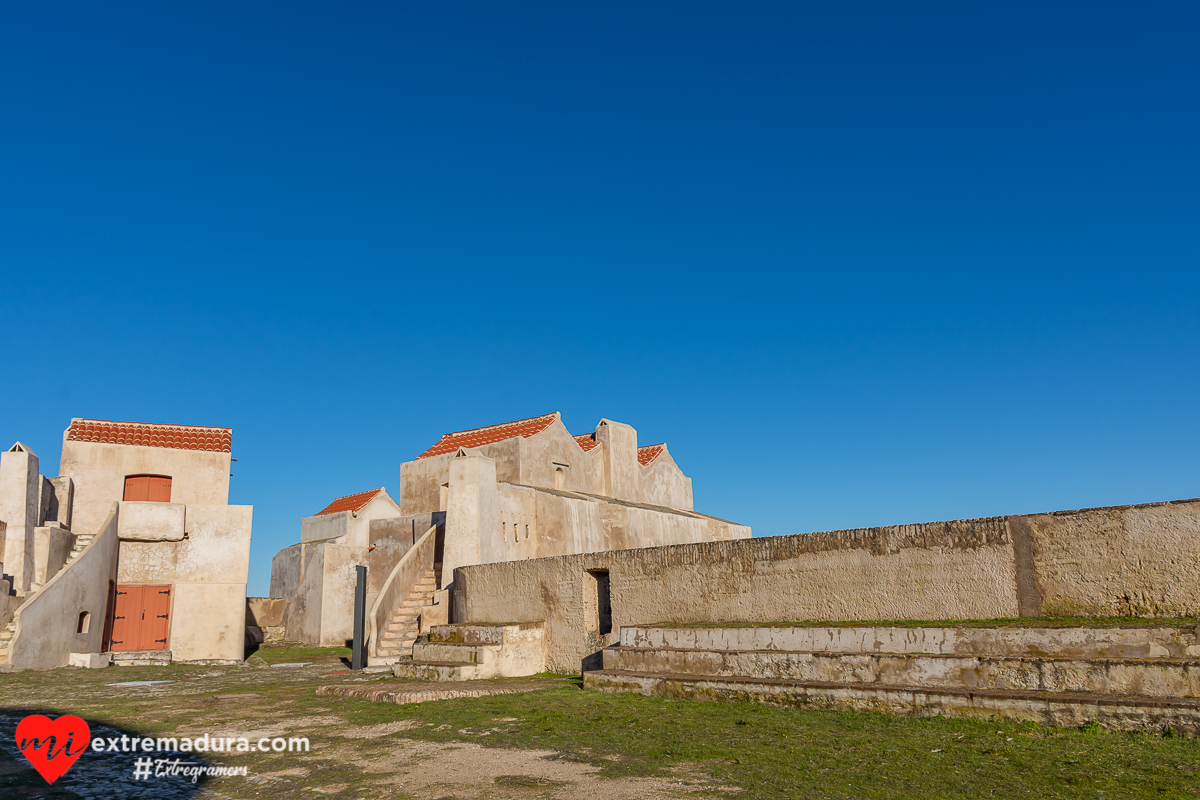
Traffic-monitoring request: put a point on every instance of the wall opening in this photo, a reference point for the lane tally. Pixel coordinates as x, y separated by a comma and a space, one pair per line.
560, 478
599, 602
148, 488
85, 622
444, 497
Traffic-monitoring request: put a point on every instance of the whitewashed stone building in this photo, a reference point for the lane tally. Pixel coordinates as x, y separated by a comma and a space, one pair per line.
133, 548
517, 490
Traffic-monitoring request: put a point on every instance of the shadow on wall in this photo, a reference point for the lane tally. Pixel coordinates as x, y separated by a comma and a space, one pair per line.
108, 774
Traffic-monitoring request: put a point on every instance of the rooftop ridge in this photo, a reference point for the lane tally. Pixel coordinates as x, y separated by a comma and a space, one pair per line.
350, 502
476, 437
151, 434
647, 453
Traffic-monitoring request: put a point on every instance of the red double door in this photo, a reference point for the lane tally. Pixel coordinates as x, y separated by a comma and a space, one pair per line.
141, 618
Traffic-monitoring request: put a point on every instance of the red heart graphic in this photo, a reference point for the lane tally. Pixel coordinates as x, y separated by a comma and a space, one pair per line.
52, 746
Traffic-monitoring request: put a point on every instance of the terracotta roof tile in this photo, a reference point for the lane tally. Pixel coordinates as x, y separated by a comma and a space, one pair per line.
477, 437
351, 502
141, 434
648, 453
587, 441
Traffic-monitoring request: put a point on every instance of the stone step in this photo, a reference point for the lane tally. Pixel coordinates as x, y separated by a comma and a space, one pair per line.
141, 658
488, 633
1080, 641
435, 671
1173, 678
456, 653
1044, 708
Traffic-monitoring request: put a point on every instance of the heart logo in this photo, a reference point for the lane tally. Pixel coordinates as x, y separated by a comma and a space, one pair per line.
52, 746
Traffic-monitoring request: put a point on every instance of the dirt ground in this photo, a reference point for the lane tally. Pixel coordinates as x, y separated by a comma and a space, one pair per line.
358, 749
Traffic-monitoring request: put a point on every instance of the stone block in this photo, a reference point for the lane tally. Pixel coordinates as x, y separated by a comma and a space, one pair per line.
89, 660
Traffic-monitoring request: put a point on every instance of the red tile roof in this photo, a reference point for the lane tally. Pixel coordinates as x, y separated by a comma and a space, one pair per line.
351, 502
141, 434
587, 441
492, 433
648, 453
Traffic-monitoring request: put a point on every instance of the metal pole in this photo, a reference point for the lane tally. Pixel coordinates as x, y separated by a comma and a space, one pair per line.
358, 661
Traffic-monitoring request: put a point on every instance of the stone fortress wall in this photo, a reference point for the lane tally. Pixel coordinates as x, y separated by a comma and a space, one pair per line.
1141, 560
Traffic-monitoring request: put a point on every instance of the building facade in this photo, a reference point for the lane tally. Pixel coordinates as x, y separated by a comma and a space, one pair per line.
517, 490
133, 547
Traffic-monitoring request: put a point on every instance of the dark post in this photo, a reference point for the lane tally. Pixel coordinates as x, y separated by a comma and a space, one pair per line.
358, 661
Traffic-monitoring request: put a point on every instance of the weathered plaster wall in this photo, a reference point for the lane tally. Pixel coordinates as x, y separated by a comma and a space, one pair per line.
208, 573
610, 468
318, 577
198, 478
152, 522
297, 574
392, 538
1078, 562
489, 521
265, 611
953, 570
555, 448
58, 504
1127, 560
51, 548
664, 484
323, 527
48, 621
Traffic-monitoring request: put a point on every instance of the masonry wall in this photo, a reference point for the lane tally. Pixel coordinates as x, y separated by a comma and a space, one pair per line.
198, 478
1079, 562
207, 571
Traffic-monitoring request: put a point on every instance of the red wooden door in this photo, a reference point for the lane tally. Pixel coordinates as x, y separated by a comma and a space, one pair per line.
141, 618
155, 488
156, 617
137, 487
159, 490
127, 619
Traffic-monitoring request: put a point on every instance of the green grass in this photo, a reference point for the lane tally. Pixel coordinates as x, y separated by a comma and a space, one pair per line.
782, 753
767, 752
291, 653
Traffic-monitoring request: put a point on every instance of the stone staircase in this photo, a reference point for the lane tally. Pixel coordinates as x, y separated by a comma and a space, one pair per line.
82, 540
1125, 678
405, 626
469, 652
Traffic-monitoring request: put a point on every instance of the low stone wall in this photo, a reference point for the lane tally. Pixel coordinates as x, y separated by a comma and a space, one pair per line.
1079, 562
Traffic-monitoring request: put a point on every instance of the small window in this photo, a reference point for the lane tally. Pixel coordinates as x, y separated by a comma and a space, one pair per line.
560, 478
85, 622
151, 488
526, 531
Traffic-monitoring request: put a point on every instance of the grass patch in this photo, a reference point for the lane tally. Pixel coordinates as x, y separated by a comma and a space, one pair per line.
784, 753
767, 752
289, 653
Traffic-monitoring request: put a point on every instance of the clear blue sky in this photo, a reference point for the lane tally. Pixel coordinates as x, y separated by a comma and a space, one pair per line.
858, 264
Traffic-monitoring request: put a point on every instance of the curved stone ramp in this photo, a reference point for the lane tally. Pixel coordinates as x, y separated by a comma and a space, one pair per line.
406, 694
